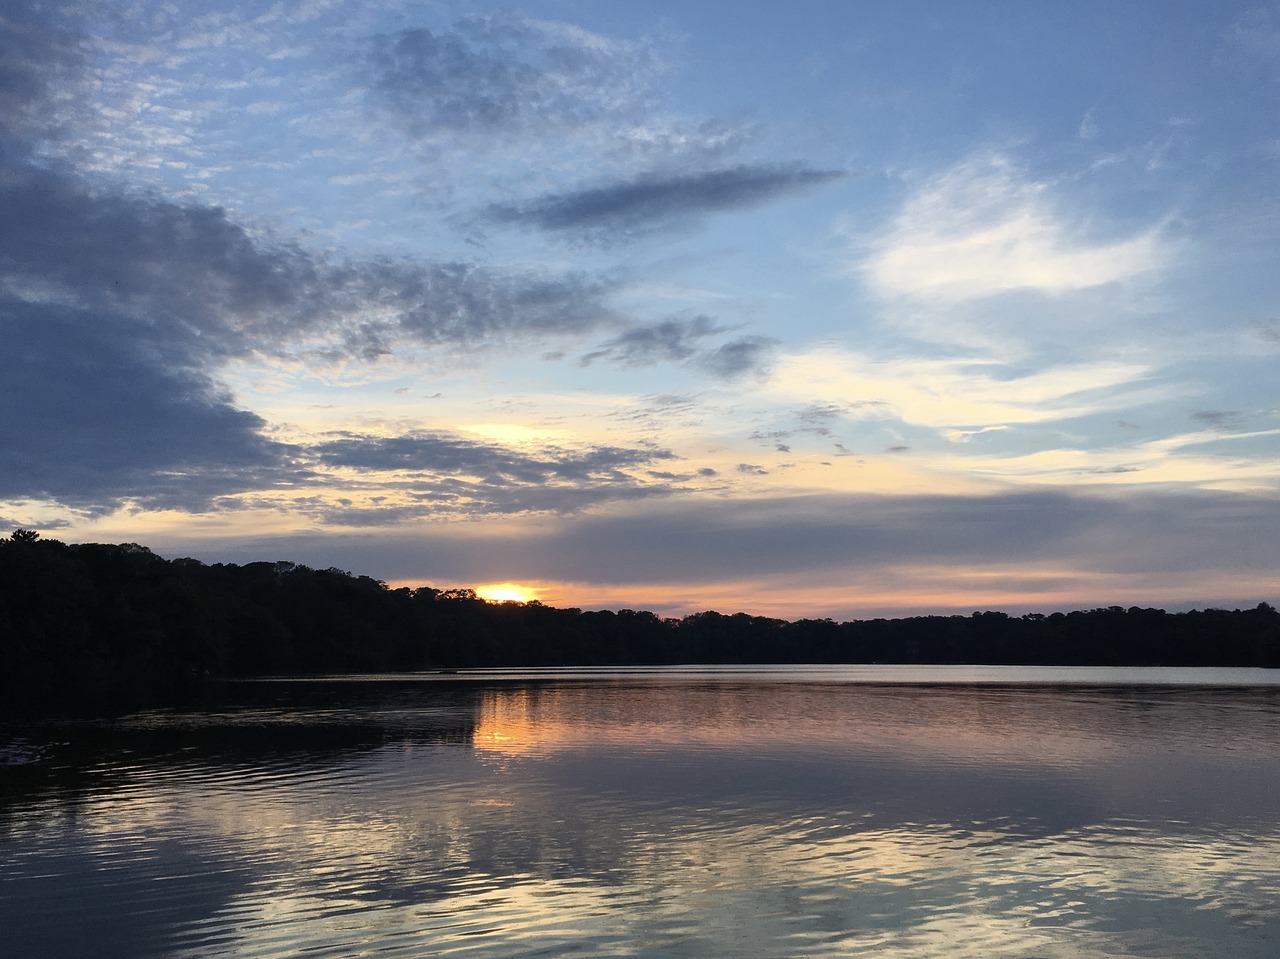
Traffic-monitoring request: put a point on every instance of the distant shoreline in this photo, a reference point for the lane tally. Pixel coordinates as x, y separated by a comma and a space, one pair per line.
102, 626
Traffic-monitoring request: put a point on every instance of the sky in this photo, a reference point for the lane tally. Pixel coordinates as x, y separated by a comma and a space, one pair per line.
818, 309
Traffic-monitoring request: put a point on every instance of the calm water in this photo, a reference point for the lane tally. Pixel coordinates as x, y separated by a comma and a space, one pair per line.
874, 811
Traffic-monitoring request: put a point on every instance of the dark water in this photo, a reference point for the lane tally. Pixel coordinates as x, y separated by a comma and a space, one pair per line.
851, 812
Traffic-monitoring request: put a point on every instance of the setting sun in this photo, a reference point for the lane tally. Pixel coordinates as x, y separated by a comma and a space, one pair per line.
506, 593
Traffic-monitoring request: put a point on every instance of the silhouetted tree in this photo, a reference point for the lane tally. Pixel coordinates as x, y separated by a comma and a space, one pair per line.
97, 626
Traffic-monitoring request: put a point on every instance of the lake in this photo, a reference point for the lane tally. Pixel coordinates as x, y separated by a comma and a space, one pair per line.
701, 812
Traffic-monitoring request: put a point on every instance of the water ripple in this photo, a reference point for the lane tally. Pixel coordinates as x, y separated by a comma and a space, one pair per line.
649, 820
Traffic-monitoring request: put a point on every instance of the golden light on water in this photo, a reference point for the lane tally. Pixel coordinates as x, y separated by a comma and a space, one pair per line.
506, 593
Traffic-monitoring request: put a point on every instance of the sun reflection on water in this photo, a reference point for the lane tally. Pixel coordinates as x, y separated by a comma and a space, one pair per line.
732, 819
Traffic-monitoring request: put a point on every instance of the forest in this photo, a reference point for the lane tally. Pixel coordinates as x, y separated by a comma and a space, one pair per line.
93, 627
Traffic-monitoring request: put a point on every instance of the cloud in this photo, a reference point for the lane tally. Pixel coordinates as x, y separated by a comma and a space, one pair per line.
121, 311
1024, 425
38, 59
1088, 129
679, 340
89, 417
672, 340
211, 283
223, 290
1268, 332
817, 418
1256, 35
200, 284
1218, 420
1104, 548
505, 75
448, 453
462, 303
626, 210
982, 228
114, 310
956, 394
445, 473
563, 99
746, 354
965, 436
151, 299
1214, 458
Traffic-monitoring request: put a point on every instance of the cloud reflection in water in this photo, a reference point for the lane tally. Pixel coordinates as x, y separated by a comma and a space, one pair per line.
715, 817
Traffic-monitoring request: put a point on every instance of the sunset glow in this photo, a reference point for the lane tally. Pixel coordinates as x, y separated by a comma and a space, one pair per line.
506, 593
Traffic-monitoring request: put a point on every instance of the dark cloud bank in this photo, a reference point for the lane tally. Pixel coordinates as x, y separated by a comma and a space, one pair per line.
819, 538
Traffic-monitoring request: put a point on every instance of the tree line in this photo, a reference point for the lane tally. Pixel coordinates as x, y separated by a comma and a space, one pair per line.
97, 626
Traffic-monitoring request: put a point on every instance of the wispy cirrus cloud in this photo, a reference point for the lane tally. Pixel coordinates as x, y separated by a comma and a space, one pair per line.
633, 208
1255, 34
983, 228
1210, 459
950, 394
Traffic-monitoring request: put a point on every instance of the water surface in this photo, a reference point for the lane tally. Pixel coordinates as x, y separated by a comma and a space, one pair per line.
736, 812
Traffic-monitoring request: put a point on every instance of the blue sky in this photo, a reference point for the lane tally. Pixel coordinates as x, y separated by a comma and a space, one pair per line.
836, 309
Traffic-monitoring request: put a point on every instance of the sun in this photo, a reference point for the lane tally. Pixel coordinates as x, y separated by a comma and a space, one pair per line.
506, 593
